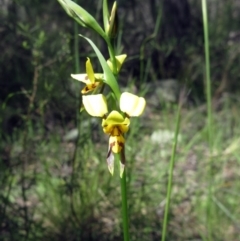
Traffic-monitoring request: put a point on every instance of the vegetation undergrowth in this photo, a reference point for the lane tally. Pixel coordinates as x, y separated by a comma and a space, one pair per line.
97, 204
54, 184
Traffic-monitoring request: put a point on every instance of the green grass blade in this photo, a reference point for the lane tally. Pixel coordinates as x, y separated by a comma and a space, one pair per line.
170, 174
209, 115
124, 207
207, 69
224, 209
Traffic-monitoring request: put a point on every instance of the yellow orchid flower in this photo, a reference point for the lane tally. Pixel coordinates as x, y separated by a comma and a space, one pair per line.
119, 59
91, 79
115, 124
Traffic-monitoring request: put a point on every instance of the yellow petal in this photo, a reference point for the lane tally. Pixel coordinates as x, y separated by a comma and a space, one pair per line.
110, 160
98, 76
124, 126
116, 143
110, 64
81, 77
107, 128
84, 77
95, 105
120, 59
116, 131
132, 104
89, 70
122, 166
122, 163
115, 119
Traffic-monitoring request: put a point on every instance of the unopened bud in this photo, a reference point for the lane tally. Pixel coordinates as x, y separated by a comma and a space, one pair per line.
113, 22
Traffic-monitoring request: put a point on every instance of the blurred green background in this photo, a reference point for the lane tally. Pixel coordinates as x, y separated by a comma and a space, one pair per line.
54, 182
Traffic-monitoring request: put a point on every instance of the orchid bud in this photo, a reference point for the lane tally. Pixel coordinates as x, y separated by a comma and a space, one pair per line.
113, 22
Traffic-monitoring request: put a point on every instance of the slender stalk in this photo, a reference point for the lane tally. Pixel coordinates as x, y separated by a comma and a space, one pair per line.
118, 157
23, 157
170, 175
209, 114
124, 207
112, 56
207, 69
78, 104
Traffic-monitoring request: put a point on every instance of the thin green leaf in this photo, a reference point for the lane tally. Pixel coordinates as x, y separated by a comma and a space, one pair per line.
225, 210
81, 16
109, 77
71, 13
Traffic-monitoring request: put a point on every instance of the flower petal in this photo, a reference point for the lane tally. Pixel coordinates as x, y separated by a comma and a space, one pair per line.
107, 128
95, 105
122, 166
120, 59
131, 104
124, 126
81, 77
84, 77
114, 118
122, 162
89, 70
116, 143
110, 160
98, 76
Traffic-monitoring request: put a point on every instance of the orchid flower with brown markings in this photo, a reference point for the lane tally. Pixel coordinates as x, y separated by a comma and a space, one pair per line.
94, 80
115, 124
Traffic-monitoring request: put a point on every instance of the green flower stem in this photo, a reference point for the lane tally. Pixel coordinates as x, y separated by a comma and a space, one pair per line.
209, 116
78, 104
124, 206
112, 56
118, 157
170, 175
